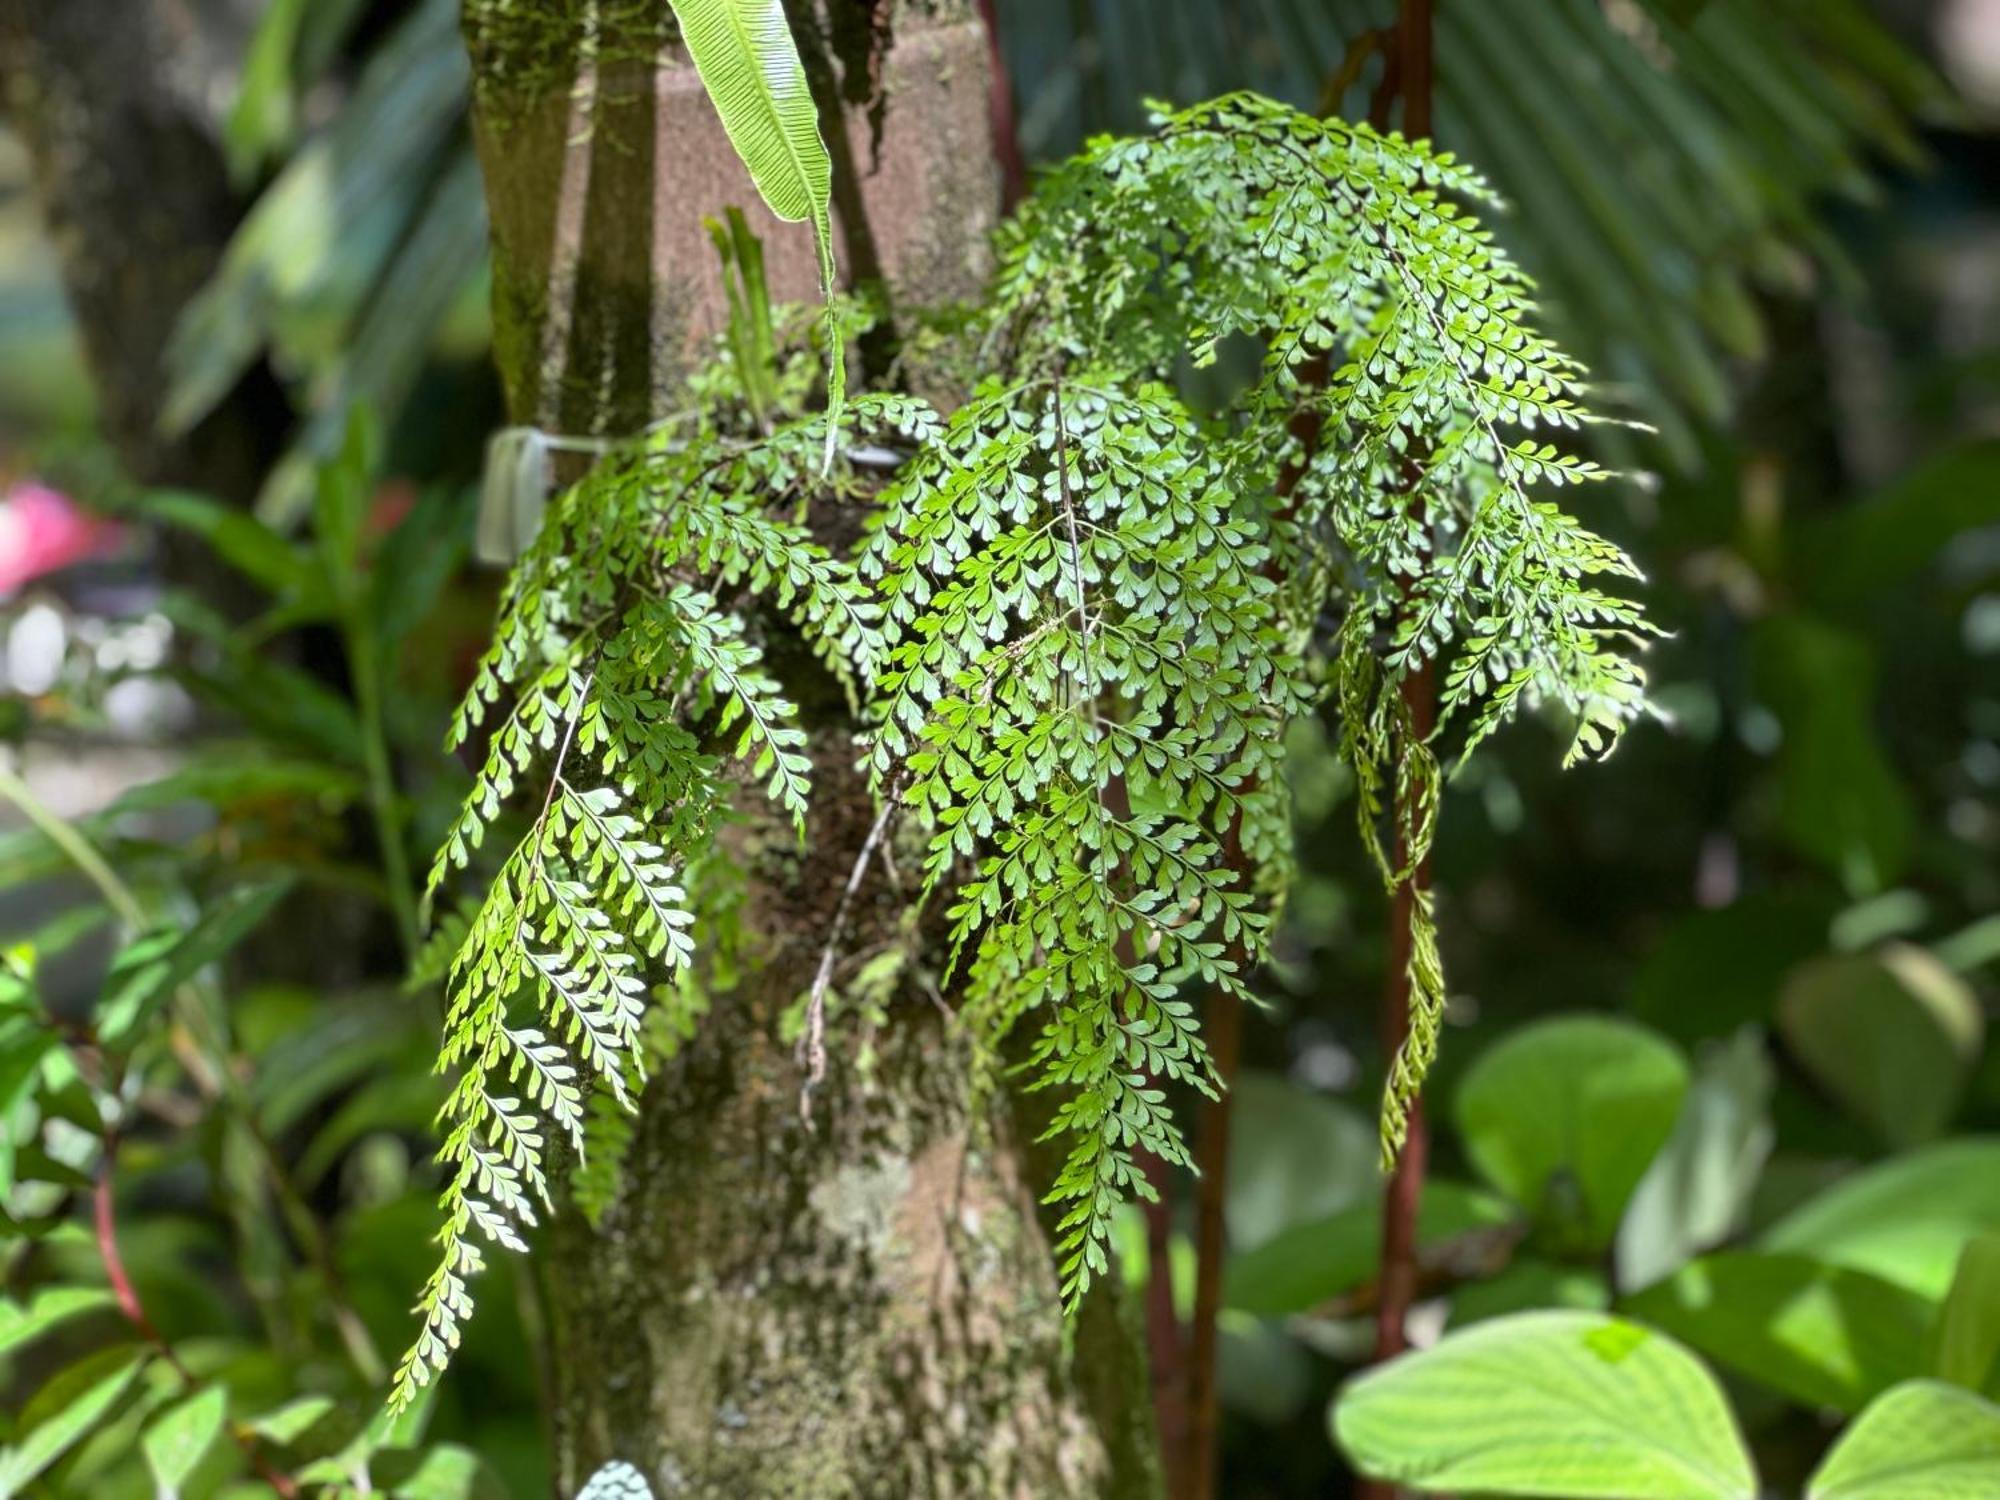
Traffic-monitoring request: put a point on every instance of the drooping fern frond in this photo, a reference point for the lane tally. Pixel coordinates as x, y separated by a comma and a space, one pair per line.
619, 698
1085, 690
750, 65
1397, 422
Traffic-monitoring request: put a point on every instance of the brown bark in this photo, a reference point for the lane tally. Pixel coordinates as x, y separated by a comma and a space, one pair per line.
115, 100
866, 1307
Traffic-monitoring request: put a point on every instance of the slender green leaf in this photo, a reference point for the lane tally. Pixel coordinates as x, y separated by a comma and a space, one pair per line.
19, 1323
147, 972
59, 1415
744, 52
1968, 1327
1697, 1191
180, 1437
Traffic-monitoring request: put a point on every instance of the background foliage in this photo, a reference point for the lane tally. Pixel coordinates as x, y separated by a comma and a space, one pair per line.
1714, 1055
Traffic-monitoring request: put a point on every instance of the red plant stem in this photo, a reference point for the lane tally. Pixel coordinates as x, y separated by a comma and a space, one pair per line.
1224, 1025
104, 1218
1000, 113
1165, 1354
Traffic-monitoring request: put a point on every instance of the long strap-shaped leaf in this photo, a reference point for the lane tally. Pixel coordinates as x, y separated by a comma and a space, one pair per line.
744, 52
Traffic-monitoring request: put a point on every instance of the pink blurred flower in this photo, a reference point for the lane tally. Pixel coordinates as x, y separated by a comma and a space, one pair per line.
43, 530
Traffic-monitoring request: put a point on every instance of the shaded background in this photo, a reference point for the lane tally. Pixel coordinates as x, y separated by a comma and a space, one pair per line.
1773, 231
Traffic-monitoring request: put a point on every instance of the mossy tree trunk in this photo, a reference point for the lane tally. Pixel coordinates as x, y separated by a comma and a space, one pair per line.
865, 1306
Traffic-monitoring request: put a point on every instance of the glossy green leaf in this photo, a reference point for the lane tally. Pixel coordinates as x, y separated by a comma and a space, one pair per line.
1565, 1116
1822, 1335
1892, 1035
1559, 1405
181, 1436
24, 1041
1907, 1219
293, 1420
1921, 1441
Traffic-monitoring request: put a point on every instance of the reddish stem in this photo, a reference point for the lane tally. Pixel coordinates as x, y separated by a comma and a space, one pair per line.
1413, 66
1000, 113
1165, 1355
1224, 1027
104, 1217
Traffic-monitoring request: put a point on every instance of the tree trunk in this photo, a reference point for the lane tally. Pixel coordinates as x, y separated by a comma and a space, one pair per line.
866, 1305
116, 100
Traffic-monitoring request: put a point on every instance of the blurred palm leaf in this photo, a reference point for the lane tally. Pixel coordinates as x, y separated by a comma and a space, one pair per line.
1667, 161
346, 266
1671, 162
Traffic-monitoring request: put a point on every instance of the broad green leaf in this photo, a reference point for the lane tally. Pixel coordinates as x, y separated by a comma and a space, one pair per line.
1922, 1441
60, 1414
1294, 1157
148, 970
1311, 1264
1822, 1335
1697, 1191
1968, 1326
744, 51
19, 1324
1560, 1405
178, 1438
1905, 1220
1564, 1117
1892, 1036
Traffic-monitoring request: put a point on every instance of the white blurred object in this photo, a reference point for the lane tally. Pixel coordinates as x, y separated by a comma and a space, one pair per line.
35, 648
1968, 43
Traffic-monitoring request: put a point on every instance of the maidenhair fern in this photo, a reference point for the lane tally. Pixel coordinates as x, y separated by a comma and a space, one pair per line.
1072, 631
